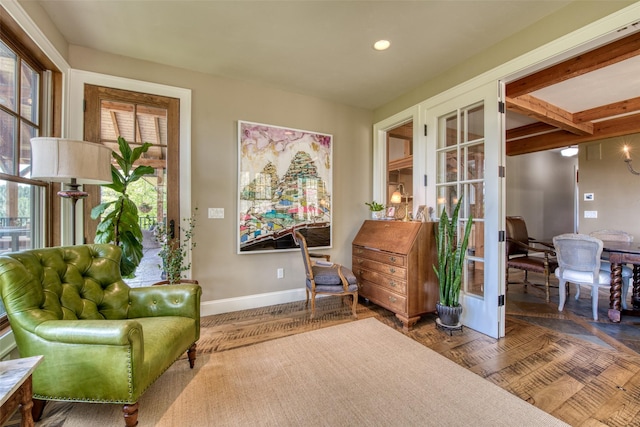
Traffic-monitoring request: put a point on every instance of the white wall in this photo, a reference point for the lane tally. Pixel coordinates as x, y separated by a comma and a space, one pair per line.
616, 191
540, 188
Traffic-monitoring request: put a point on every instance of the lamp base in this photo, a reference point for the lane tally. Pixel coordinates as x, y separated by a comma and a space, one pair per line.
73, 194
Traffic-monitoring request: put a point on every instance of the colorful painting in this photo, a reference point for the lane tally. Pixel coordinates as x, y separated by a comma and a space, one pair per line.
284, 185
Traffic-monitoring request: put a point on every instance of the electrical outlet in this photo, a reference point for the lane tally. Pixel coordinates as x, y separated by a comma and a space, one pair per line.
216, 213
280, 273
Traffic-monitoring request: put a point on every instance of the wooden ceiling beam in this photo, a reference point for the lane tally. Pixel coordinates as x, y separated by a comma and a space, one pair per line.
609, 110
548, 113
601, 57
606, 129
530, 130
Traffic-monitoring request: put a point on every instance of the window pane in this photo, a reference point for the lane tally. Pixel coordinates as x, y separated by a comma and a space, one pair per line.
7, 142
447, 166
116, 120
475, 200
30, 89
447, 198
474, 274
8, 77
20, 206
475, 123
27, 132
448, 135
474, 162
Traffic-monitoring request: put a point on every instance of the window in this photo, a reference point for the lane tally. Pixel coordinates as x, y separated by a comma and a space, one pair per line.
22, 200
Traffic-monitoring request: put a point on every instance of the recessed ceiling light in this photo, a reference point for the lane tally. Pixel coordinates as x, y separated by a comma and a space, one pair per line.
382, 45
569, 151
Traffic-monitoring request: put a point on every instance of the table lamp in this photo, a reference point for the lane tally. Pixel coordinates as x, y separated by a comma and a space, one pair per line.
73, 163
397, 196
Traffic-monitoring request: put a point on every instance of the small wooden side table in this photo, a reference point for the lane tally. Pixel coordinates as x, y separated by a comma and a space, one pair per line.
15, 388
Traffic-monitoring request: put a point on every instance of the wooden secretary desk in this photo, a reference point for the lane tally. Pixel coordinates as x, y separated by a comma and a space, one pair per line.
393, 261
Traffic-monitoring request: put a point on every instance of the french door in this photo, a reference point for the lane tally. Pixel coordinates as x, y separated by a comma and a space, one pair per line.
465, 148
139, 118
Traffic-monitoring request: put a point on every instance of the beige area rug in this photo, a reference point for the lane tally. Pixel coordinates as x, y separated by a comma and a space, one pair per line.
361, 373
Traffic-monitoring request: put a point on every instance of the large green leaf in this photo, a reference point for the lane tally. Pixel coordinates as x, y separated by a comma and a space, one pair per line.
120, 225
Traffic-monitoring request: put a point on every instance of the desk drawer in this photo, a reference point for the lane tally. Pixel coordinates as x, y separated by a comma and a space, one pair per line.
388, 282
383, 257
383, 297
367, 264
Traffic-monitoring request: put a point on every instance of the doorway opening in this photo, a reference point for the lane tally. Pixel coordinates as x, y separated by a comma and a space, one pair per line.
140, 118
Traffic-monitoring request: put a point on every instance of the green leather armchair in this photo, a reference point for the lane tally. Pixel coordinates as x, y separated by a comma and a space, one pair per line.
102, 341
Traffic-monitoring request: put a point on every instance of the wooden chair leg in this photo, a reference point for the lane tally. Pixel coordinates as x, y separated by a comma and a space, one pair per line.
355, 306
313, 304
130, 413
192, 355
37, 409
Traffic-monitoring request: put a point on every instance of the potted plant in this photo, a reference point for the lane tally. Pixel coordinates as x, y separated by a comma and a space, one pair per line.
174, 251
451, 256
377, 210
119, 223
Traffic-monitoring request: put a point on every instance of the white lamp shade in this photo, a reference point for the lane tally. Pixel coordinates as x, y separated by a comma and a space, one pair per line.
396, 197
60, 160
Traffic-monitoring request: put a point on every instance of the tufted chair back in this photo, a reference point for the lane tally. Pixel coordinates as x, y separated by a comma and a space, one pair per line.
64, 283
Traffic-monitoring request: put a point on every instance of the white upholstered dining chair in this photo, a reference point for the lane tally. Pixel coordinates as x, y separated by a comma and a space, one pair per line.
579, 263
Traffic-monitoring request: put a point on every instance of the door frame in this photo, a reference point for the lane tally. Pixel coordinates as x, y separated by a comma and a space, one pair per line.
75, 119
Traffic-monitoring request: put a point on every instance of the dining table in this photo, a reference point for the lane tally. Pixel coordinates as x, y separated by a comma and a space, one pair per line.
621, 253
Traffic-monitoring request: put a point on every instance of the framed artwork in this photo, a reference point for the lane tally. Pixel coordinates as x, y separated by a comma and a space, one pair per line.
420, 214
284, 185
391, 212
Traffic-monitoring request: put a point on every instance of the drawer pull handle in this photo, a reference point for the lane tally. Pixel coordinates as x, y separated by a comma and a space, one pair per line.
392, 259
392, 270
393, 284
359, 261
359, 251
393, 299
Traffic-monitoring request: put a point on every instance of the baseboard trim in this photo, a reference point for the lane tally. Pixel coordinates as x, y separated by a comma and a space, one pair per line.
208, 308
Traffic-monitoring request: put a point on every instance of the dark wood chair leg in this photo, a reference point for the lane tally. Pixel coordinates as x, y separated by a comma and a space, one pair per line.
37, 409
192, 355
130, 413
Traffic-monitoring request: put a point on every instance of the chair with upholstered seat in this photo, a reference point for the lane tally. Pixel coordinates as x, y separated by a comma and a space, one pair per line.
579, 263
527, 254
327, 278
605, 265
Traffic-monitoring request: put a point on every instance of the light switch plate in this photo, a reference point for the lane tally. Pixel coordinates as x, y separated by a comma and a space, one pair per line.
591, 214
216, 213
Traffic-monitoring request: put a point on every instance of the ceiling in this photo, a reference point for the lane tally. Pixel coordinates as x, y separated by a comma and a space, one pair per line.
324, 49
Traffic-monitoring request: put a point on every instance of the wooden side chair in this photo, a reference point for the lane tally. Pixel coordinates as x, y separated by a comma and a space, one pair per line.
324, 277
528, 254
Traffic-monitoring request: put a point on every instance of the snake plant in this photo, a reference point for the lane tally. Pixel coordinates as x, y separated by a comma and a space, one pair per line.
451, 255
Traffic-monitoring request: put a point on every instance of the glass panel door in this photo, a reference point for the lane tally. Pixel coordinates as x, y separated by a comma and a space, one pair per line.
467, 144
139, 118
